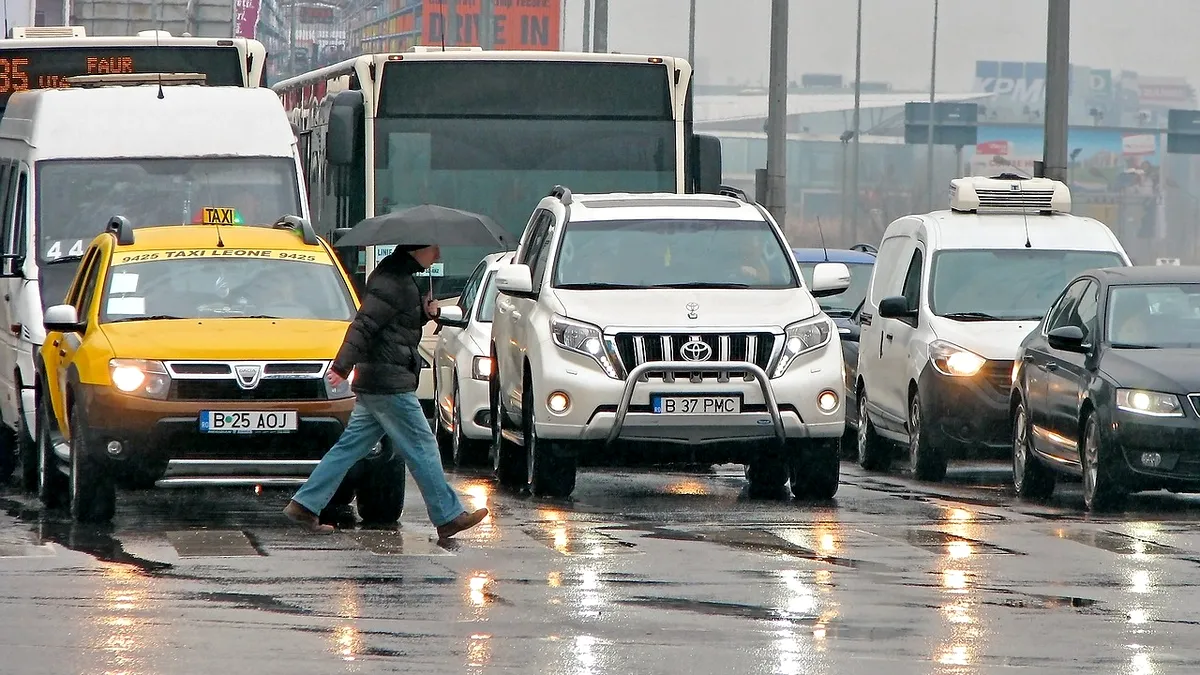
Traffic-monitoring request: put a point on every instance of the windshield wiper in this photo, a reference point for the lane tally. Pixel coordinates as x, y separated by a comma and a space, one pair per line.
972, 316
702, 284
250, 316
1126, 345
153, 317
837, 311
595, 286
64, 259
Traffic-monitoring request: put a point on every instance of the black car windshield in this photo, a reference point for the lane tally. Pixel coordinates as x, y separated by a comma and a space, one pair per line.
1007, 284
843, 303
223, 287
76, 198
1154, 316
672, 253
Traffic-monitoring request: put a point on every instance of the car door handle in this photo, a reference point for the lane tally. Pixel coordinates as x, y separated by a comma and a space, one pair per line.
1028, 358
1052, 367
889, 337
516, 314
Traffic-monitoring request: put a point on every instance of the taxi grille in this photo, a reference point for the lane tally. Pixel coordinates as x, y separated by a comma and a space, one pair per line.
228, 390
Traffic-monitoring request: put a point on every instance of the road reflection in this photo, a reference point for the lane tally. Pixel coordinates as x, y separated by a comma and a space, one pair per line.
959, 569
120, 631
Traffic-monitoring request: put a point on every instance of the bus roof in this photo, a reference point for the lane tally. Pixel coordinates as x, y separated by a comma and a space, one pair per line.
132, 121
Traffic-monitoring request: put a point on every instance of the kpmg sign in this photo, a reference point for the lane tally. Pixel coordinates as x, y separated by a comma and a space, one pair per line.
1023, 83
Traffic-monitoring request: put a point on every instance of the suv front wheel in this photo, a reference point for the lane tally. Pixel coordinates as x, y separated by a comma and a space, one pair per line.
815, 468
550, 471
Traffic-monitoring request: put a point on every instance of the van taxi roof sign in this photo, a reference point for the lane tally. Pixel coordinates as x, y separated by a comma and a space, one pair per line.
220, 215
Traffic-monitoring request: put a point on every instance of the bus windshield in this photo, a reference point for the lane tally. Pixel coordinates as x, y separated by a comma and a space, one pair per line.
76, 198
514, 129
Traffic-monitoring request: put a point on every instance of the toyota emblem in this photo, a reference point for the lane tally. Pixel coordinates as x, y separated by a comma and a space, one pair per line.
695, 350
693, 310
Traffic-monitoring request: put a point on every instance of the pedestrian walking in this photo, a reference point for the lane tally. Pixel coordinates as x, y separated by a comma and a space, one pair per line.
380, 348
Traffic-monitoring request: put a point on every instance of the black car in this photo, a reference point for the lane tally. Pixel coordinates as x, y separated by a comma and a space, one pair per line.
1107, 387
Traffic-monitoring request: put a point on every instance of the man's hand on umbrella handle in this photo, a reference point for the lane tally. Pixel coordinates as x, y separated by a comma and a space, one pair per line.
334, 379
432, 310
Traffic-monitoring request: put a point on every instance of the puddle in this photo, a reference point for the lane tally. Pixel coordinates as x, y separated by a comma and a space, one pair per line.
1036, 601
759, 541
939, 542
709, 608
1114, 542
212, 544
93, 540
265, 603
569, 539
396, 543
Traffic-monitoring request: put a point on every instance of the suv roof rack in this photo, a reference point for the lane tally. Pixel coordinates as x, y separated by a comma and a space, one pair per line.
736, 193
562, 193
298, 225
120, 227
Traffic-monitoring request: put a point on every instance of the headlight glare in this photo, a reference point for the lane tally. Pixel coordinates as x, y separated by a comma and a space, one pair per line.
801, 338
137, 377
1152, 403
950, 359
481, 367
582, 338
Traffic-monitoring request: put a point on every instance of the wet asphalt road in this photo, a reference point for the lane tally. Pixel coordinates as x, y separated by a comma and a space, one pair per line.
641, 573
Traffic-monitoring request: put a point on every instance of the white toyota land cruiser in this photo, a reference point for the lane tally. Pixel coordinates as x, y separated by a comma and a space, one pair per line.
680, 323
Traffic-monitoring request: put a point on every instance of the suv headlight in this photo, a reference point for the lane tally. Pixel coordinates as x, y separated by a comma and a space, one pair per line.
582, 338
138, 377
342, 390
1152, 403
803, 337
950, 359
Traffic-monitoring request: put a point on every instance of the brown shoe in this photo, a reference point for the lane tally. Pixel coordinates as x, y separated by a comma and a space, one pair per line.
464, 521
306, 519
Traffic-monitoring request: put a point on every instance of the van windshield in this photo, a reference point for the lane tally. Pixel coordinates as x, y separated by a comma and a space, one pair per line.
76, 198
1007, 284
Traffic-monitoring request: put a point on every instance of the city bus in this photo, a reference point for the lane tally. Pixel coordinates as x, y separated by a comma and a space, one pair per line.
490, 132
44, 57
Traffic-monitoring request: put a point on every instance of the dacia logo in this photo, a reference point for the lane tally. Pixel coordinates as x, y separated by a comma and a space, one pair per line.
247, 376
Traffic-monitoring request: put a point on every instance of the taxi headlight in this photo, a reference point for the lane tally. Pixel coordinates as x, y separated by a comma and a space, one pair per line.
801, 338
138, 377
342, 390
950, 359
1152, 403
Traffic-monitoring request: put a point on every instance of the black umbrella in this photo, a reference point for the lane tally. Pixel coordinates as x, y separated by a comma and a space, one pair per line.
426, 225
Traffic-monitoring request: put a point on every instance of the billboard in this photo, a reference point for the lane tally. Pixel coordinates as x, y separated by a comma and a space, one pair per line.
518, 24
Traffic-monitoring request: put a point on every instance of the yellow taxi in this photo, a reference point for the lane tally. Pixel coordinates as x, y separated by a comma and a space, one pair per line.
195, 355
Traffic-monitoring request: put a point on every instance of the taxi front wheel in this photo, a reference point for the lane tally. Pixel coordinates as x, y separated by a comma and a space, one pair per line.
92, 491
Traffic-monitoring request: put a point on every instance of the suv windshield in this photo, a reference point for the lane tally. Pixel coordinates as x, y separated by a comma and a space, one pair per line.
843, 303
1007, 284
205, 287
77, 197
672, 253
1155, 316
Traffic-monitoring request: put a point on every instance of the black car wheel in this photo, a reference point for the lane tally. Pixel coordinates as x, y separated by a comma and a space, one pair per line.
444, 440
926, 460
1105, 476
768, 472
549, 472
815, 469
380, 489
52, 484
874, 452
92, 490
507, 459
25, 449
1031, 478
9, 459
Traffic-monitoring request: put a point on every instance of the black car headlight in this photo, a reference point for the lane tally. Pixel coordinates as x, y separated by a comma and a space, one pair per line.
1150, 403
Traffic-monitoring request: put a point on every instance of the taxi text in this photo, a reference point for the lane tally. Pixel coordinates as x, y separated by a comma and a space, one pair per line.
269, 254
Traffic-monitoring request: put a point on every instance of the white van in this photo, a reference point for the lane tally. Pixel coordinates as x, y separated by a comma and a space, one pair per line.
952, 295
71, 159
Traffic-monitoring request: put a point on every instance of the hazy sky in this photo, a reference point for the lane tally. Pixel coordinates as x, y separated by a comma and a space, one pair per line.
1151, 37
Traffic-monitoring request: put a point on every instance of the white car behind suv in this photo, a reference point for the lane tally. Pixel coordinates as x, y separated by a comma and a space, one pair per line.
678, 325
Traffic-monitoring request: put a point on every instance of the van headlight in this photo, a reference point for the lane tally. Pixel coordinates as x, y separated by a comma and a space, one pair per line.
950, 359
138, 377
582, 338
803, 337
1151, 403
342, 390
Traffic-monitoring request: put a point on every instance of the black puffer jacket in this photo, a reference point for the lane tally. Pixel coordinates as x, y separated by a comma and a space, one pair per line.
383, 338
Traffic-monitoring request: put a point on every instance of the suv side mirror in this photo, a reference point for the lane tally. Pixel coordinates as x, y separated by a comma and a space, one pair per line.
829, 278
895, 307
62, 319
1066, 338
11, 266
515, 280
452, 315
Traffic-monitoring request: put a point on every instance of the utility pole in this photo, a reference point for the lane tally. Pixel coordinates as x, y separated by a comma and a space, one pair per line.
487, 24
932, 99
587, 26
692, 36
1058, 66
600, 41
857, 124
450, 25
292, 41
777, 115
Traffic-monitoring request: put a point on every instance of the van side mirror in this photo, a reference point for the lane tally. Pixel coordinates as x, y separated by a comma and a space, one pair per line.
11, 266
1066, 338
895, 307
452, 315
829, 278
515, 280
708, 164
345, 128
62, 319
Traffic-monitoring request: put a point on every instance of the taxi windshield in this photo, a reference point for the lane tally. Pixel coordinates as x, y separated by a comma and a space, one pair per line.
220, 283
76, 198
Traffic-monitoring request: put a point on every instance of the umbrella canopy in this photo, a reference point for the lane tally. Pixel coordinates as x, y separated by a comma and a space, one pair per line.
426, 225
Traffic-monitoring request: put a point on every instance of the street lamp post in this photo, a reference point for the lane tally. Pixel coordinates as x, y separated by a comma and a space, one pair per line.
777, 115
932, 99
856, 128
1058, 67
587, 26
692, 36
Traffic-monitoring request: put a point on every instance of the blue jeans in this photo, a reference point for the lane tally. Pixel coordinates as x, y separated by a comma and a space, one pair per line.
400, 417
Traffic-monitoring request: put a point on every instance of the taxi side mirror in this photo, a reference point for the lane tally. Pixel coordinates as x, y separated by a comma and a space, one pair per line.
62, 319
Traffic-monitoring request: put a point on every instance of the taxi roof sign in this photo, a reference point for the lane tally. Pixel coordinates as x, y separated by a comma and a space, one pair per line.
220, 215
